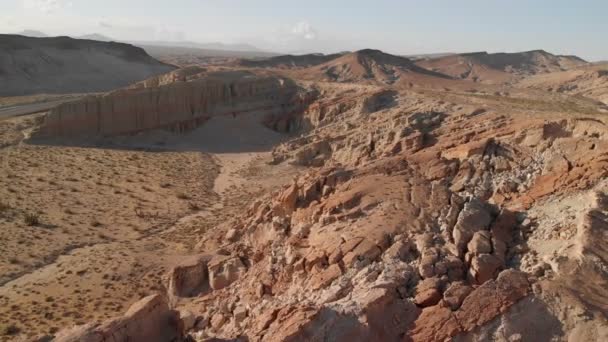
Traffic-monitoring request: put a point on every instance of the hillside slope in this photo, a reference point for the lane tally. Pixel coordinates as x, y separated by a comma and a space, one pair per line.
289, 61
500, 67
65, 65
589, 81
368, 64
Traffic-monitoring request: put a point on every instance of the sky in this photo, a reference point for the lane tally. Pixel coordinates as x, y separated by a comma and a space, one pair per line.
399, 27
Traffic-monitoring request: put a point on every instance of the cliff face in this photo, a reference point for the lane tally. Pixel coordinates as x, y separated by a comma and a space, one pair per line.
178, 105
65, 65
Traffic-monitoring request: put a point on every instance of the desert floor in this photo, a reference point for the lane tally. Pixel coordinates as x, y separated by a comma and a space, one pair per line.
85, 231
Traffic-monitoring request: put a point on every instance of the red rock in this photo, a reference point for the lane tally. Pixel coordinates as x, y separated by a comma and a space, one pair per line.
455, 294
484, 267
480, 243
428, 297
325, 277
365, 250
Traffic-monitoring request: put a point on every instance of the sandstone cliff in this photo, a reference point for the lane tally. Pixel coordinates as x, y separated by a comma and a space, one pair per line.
178, 101
65, 65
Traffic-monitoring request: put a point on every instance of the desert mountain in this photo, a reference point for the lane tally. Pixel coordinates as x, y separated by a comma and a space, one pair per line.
500, 67
33, 33
368, 64
96, 36
196, 45
289, 61
66, 65
590, 81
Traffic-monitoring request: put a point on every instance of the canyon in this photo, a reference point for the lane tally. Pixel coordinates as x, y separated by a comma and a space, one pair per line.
360, 196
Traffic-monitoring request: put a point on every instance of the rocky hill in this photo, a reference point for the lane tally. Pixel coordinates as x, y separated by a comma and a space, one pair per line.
500, 67
367, 65
288, 61
64, 65
590, 81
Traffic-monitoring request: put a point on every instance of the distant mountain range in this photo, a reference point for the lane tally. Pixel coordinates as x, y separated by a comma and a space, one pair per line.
182, 44
32, 33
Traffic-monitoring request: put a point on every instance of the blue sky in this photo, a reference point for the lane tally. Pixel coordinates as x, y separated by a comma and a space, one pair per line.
405, 27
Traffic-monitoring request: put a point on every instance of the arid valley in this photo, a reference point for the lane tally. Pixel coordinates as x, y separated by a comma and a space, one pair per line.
168, 195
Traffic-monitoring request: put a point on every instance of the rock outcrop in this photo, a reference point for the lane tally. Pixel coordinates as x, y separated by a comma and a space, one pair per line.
179, 101
148, 320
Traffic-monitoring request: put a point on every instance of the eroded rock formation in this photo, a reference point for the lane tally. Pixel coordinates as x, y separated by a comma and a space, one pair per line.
179, 101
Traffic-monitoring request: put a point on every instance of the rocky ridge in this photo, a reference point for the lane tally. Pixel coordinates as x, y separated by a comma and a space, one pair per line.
179, 101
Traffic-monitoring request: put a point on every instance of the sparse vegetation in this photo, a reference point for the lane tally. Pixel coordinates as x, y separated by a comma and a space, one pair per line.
31, 219
182, 196
4, 207
193, 206
9, 329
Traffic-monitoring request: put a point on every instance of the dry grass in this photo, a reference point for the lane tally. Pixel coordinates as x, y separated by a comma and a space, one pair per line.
31, 219
9, 329
85, 199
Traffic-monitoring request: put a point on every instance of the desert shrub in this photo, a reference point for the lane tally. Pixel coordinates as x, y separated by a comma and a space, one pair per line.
4, 206
182, 196
9, 329
193, 206
31, 219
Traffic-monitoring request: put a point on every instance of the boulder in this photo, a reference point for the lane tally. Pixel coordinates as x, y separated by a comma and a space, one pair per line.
427, 292
484, 267
366, 251
285, 203
325, 277
189, 278
473, 218
455, 294
224, 270
188, 319
480, 243
483, 304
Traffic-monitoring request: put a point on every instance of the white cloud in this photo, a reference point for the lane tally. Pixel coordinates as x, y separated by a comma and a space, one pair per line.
304, 30
46, 6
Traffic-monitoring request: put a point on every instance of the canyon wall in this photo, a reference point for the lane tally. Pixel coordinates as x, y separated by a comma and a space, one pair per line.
179, 105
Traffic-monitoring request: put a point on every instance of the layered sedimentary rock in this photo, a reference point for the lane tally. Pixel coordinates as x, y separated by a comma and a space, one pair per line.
179, 102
